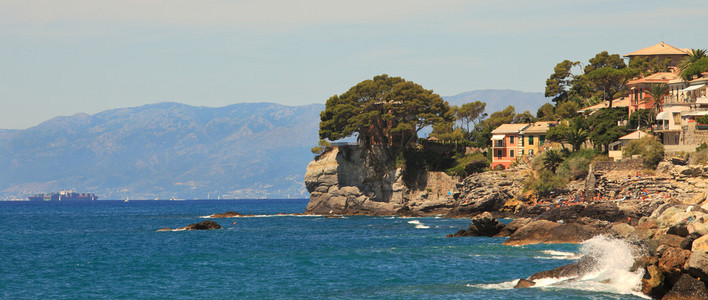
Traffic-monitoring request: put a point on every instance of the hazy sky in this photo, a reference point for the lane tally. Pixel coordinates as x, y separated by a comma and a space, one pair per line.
71, 56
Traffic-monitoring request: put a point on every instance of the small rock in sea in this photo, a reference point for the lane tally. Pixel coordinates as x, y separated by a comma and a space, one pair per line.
206, 225
228, 214
165, 229
524, 283
482, 225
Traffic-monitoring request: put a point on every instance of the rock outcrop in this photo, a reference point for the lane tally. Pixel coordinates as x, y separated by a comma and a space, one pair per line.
489, 191
548, 232
354, 180
482, 225
205, 225
228, 214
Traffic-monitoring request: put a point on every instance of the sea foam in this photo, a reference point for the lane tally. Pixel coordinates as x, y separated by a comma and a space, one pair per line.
610, 273
418, 224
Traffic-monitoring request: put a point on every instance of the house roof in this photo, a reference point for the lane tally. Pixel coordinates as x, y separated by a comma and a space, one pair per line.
658, 49
619, 102
635, 135
659, 77
540, 127
509, 128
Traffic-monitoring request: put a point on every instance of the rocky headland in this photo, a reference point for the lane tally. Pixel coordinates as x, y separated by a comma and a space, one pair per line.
351, 180
661, 215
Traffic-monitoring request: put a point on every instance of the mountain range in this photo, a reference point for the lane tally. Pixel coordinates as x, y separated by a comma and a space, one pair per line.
172, 150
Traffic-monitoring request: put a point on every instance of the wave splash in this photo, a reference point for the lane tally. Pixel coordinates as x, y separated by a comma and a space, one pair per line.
418, 224
612, 269
609, 271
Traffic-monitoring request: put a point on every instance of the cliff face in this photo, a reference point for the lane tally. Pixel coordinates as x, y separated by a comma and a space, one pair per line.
352, 180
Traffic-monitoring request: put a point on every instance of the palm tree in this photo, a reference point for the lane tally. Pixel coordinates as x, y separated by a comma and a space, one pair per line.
576, 137
553, 159
692, 57
657, 92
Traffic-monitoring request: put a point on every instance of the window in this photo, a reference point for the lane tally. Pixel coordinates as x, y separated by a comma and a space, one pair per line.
541, 140
499, 154
531, 140
511, 139
531, 152
521, 152
511, 153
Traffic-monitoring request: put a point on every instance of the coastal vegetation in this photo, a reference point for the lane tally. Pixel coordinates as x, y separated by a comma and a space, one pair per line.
649, 148
386, 111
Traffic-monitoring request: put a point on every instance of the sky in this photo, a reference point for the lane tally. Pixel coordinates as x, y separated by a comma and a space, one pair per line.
84, 56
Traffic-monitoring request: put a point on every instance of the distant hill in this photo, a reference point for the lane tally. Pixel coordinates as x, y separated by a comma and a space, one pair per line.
499, 99
165, 150
249, 150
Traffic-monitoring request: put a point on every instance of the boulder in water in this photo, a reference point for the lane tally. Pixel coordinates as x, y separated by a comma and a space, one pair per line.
482, 225
524, 283
206, 225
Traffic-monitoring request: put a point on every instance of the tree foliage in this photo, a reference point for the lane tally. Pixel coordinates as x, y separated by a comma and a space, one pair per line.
383, 109
656, 93
647, 67
482, 133
694, 69
567, 110
604, 77
641, 118
471, 113
559, 83
603, 126
546, 112
574, 134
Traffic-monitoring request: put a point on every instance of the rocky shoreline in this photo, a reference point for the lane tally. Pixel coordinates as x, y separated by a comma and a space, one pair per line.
662, 215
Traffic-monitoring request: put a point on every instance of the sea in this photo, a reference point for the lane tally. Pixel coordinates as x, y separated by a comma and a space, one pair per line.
112, 250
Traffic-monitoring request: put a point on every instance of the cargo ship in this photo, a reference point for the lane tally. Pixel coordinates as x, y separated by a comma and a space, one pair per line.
64, 196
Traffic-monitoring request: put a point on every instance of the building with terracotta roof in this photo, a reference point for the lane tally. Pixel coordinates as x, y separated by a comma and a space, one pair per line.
512, 141
638, 96
533, 137
505, 144
661, 51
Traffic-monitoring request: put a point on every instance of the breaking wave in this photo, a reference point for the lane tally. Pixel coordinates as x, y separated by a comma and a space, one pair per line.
553, 254
610, 271
418, 224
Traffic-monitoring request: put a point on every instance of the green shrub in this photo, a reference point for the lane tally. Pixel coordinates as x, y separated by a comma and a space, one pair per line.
321, 147
702, 119
700, 157
537, 161
574, 167
649, 147
468, 164
702, 146
544, 182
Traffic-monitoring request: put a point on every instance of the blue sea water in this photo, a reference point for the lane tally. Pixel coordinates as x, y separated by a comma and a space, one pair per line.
111, 250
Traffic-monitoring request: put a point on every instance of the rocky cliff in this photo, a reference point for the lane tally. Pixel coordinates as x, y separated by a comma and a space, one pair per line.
353, 180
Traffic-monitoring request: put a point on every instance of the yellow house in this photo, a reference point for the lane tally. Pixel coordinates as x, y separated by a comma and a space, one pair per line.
533, 138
